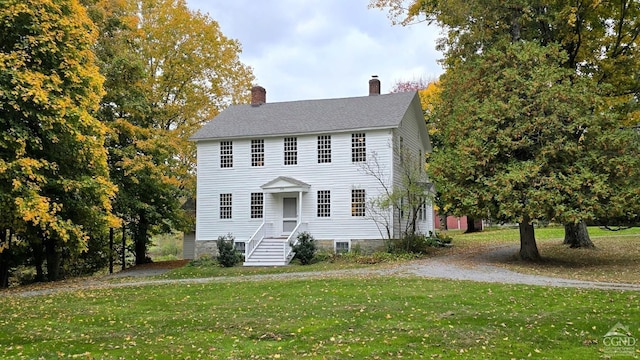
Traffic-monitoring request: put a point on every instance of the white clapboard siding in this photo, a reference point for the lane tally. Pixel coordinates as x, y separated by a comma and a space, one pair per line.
340, 177
415, 140
380, 123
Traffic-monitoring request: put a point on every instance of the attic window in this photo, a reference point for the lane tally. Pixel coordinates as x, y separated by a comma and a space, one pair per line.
358, 147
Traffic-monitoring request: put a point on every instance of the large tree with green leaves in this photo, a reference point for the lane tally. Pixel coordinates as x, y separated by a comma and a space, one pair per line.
168, 70
53, 170
600, 43
521, 137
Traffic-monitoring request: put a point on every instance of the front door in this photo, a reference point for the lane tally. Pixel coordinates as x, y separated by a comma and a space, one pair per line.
289, 215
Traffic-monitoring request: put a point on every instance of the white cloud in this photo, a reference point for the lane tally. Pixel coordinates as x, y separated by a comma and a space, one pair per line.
312, 27
323, 48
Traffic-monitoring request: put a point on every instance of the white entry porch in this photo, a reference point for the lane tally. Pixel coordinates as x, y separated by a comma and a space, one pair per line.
271, 244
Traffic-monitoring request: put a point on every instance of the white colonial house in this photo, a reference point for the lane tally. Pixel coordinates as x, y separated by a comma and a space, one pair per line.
268, 171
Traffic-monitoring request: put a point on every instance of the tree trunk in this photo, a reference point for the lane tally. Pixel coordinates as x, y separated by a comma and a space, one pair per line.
577, 235
53, 259
471, 225
124, 246
528, 246
443, 222
141, 240
38, 256
110, 250
414, 219
5, 258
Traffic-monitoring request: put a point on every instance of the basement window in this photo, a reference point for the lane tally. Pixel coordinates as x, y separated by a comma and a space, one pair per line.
341, 247
239, 246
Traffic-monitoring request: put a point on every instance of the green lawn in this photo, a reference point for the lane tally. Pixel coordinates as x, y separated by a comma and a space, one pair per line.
205, 269
499, 235
334, 318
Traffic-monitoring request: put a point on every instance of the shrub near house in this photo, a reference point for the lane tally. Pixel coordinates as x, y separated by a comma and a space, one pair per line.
228, 256
305, 249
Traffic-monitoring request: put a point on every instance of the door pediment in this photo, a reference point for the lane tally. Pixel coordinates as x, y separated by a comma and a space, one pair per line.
284, 184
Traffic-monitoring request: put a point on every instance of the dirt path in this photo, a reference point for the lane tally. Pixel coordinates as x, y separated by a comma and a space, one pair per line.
479, 267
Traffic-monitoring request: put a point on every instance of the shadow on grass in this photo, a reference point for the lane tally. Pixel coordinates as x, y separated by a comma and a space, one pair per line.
614, 259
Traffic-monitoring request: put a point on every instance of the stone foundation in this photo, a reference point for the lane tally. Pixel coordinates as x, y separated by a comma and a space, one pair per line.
206, 248
367, 246
326, 245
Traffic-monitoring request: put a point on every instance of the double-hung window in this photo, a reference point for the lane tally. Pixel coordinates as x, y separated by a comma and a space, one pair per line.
225, 206
358, 147
324, 149
357, 202
324, 203
257, 205
257, 152
290, 151
226, 154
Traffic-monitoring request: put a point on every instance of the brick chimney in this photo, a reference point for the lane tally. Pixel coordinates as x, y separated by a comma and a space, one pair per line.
374, 85
258, 96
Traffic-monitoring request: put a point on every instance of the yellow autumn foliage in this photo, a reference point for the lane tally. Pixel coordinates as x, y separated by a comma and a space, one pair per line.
53, 173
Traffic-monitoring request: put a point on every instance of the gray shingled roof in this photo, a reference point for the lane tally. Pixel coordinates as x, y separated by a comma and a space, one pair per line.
308, 116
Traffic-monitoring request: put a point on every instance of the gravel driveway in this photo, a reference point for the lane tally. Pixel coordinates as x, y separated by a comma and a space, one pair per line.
479, 268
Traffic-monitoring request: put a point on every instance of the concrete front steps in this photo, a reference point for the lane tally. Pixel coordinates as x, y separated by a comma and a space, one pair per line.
270, 252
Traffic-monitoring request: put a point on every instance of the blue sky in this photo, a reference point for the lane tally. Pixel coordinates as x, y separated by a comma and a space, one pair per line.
313, 49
